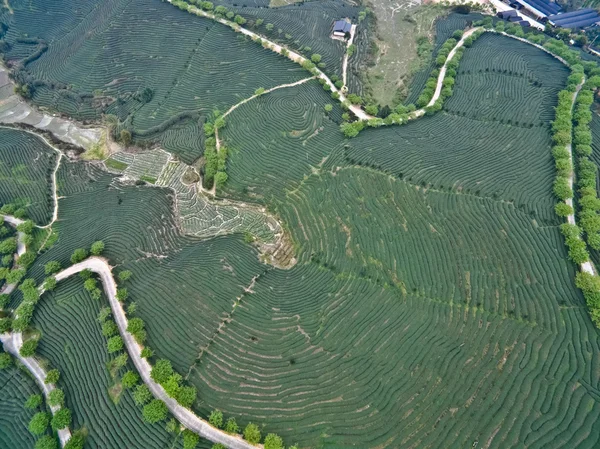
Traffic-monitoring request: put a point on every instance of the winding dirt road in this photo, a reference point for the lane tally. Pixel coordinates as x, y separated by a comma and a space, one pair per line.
184, 415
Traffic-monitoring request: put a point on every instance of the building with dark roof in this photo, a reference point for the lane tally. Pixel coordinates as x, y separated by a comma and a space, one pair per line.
507, 14
341, 27
576, 19
540, 8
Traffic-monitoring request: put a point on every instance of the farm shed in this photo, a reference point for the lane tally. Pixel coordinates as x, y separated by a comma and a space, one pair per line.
341, 27
506, 15
576, 19
540, 8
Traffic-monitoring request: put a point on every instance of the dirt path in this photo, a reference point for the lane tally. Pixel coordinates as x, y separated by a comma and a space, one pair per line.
345, 62
12, 343
185, 416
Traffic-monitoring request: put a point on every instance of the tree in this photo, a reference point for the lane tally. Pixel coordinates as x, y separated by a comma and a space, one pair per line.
114, 344
135, 325
258, 92
56, 397
104, 314
273, 441
147, 353
109, 328
97, 248
328, 108
90, 284
187, 396
124, 275
131, 308
5, 360
259, 22
28, 348
220, 178
26, 227
190, 439
39, 423
61, 419
269, 27
33, 401
372, 109
46, 442
129, 379
231, 426
161, 371
239, 20
171, 426
216, 418
316, 58
4, 300
122, 294
78, 255
218, 446
85, 274
50, 283
563, 209
52, 376
125, 137
142, 394
5, 325
8, 246
154, 411
252, 433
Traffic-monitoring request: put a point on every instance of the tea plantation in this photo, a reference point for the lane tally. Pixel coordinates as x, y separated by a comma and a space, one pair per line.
432, 302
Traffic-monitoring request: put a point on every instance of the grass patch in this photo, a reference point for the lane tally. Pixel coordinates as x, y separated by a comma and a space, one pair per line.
149, 179
115, 165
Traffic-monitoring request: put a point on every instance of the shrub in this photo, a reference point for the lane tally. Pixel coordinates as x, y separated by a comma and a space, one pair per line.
114, 344
50, 283
90, 284
142, 394
161, 371
147, 353
52, 376
104, 314
97, 248
28, 348
39, 423
187, 396
46, 442
563, 210
190, 439
129, 379
231, 426
122, 294
154, 411
109, 328
5, 360
61, 419
33, 401
216, 418
78, 255
56, 397
273, 441
252, 433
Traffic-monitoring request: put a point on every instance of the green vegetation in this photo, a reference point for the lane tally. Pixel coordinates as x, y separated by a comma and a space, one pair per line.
39, 423
154, 411
252, 433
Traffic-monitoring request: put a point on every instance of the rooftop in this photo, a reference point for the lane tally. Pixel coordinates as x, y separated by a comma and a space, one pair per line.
545, 7
341, 26
575, 19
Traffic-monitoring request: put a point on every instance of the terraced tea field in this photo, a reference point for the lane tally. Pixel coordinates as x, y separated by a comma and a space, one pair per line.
111, 59
432, 304
25, 171
15, 387
68, 317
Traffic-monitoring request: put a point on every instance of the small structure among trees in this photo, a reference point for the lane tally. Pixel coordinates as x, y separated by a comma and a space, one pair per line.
341, 29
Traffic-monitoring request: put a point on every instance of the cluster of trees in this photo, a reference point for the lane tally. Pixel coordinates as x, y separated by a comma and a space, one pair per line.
251, 432
163, 374
39, 423
215, 162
